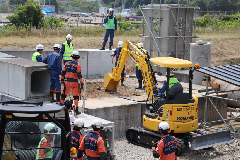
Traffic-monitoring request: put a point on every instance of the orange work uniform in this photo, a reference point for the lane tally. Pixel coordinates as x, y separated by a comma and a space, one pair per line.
76, 139
70, 74
93, 145
166, 148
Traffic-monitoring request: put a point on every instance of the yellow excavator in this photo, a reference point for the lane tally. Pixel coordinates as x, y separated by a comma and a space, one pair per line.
179, 109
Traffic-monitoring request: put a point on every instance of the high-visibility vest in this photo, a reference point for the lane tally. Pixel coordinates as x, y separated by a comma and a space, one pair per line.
172, 81
68, 51
49, 153
110, 23
34, 56
140, 54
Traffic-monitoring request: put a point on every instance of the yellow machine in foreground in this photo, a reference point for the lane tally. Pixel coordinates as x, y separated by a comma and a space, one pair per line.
179, 109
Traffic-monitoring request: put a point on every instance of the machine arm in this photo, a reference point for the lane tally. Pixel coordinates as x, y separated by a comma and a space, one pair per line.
111, 80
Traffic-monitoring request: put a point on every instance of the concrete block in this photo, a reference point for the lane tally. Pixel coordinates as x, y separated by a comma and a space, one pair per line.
182, 75
24, 79
94, 62
124, 113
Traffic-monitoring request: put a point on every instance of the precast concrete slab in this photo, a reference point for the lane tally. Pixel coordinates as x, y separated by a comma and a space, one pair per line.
24, 79
94, 62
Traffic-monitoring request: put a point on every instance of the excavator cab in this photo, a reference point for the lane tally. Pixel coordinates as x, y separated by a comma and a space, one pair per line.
22, 128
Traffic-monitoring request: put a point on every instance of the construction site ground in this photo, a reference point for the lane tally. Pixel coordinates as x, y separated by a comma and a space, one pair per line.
224, 51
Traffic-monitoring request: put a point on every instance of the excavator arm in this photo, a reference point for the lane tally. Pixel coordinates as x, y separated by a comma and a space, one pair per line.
111, 80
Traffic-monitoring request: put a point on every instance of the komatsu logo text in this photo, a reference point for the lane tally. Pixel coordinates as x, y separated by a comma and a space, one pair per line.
185, 118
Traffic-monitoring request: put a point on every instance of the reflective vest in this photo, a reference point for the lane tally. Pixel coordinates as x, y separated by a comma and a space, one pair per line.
140, 54
68, 51
172, 81
34, 56
110, 23
49, 153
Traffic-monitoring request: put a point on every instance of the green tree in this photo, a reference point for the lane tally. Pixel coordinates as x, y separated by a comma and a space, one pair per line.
3, 8
29, 14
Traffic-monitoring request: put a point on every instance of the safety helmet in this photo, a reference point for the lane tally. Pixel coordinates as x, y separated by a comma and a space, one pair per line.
75, 55
97, 123
56, 46
110, 10
69, 37
140, 45
171, 74
120, 44
163, 127
50, 128
79, 123
40, 46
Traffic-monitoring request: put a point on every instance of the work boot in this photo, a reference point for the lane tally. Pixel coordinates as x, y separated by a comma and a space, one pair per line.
103, 47
122, 80
110, 47
139, 84
52, 97
76, 110
58, 94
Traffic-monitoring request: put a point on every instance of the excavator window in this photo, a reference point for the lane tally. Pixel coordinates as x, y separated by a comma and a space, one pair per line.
21, 140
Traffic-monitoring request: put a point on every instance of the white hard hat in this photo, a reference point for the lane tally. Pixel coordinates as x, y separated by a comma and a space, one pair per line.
76, 53
140, 45
171, 74
97, 123
57, 46
110, 10
69, 37
79, 123
40, 46
50, 128
120, 44
163, 126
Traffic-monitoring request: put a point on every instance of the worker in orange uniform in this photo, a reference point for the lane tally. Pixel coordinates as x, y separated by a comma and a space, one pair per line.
76, 137
93, 144
71, 75
165, 149
45, 144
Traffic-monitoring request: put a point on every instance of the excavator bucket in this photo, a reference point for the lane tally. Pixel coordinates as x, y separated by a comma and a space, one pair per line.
210, 139
109, 82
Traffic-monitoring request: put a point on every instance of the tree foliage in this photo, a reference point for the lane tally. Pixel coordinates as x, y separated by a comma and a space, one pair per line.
17, 2
29, 14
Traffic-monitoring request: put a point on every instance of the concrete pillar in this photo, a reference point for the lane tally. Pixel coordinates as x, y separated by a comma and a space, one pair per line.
200, 52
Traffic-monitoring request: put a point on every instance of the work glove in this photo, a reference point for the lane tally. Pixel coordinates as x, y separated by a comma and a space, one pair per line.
112, 54
81, 85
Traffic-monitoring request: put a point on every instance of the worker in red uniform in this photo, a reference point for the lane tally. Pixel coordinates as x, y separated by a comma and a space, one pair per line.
76, 137
54, 62
71, 75
45, 143
165, 149
93, 144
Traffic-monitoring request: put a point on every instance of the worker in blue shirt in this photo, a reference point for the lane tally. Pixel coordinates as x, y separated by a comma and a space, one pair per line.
116, 53
37, 56
139, 72
54, 62
67, 49
111, 28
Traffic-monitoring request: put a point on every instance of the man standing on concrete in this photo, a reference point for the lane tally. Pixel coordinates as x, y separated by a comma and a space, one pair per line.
71, 74
111, 28
67, 49
165, 149
37, 55
93, 143
139, 72
54, 62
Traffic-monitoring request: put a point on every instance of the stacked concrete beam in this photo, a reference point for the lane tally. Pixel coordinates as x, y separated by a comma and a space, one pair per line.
24, 79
